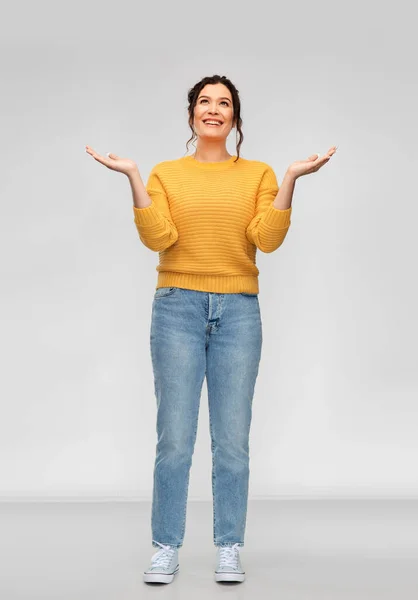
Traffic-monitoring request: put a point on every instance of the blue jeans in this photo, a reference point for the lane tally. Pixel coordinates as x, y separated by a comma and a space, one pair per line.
194, 334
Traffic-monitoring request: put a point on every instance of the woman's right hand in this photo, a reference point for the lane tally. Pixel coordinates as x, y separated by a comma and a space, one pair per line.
114, 162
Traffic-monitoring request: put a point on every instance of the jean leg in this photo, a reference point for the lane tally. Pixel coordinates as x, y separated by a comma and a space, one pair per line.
232, 362
178, 357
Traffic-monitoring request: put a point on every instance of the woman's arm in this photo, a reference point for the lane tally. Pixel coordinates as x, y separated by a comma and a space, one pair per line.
139, 193
283, 200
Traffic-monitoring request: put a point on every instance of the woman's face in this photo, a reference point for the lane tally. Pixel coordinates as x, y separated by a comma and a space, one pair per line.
213, 103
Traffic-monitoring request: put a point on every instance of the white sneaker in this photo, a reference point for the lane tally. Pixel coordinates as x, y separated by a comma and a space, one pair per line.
228, 564
164, 565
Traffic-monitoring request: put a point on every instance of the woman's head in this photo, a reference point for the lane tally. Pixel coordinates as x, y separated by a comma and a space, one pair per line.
215, 98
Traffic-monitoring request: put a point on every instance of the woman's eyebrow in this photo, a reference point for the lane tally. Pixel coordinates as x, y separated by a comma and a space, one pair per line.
221, 98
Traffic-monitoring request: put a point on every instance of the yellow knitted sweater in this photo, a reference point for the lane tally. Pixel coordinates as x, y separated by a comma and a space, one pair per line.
207, 220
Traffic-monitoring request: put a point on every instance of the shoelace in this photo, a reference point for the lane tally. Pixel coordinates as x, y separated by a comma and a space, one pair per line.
229, 556
162, 557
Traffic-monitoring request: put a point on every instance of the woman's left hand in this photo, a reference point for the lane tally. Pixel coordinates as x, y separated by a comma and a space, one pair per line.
311, 164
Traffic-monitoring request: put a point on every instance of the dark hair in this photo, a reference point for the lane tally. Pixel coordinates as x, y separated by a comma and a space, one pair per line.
236, 104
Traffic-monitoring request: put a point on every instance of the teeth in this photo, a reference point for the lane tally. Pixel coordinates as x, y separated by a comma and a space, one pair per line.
212, 122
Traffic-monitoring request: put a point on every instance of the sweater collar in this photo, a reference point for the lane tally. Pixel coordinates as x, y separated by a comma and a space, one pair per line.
219, 165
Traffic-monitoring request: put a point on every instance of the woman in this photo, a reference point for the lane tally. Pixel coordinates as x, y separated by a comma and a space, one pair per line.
206, 215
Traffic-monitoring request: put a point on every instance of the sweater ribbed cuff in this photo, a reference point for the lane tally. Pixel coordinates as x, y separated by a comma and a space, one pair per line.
149, 215
277, 218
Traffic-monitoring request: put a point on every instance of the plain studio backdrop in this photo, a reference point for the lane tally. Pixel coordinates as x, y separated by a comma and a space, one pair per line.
335, 405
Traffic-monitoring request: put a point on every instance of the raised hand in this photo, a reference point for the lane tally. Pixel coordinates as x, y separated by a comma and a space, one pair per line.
114, 162
311, 164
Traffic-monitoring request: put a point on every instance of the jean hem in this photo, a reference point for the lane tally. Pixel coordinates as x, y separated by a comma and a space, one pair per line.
227, 544
167, 544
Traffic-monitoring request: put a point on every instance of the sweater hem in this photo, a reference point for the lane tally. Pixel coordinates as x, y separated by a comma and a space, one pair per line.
217, 284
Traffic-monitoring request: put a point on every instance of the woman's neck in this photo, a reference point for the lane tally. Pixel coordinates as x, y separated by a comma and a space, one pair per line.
211, 154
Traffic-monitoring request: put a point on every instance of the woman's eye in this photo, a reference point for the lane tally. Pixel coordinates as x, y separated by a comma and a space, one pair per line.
223, 101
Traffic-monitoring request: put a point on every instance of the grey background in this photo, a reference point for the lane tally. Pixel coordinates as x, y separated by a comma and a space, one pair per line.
335, 410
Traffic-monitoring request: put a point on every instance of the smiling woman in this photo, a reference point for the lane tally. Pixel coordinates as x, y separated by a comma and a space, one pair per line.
214, 110
208, 214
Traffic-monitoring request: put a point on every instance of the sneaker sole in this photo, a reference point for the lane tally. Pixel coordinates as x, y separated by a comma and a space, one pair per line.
160, 577
229, 576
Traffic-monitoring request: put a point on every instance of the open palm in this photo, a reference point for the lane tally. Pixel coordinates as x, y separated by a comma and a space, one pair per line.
114, 162
311, 164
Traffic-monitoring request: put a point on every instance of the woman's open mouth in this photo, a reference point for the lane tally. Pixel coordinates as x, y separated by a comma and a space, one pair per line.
212, 123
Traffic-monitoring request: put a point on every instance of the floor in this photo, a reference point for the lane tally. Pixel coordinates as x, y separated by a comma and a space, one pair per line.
294, 550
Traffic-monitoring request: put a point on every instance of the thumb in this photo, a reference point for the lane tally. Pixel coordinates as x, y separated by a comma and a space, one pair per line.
314, 156
111, 155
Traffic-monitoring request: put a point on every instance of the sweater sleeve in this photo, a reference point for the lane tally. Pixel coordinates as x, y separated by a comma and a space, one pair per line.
154, 223
269, 226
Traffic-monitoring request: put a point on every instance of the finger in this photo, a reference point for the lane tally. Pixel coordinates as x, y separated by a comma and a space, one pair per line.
112, 156
324, 160
326, 156
90, 151
101, 159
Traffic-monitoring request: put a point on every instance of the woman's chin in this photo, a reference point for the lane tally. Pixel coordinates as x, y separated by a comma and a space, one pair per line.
212, 135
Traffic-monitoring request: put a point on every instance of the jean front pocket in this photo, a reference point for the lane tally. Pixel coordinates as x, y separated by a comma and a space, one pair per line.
162, 292
247, 294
